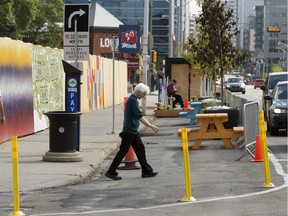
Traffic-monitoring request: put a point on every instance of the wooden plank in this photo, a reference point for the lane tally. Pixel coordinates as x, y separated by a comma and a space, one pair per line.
167, 113
238, 129
212, 115
179, 132
214, 135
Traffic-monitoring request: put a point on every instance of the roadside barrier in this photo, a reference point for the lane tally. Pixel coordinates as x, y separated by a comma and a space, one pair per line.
16, 199
266, 165
188, 197
251, 128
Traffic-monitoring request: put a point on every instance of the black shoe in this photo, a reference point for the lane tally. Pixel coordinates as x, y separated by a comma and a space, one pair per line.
114, 177
149, 175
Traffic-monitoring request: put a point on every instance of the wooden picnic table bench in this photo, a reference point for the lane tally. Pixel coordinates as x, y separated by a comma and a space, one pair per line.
195, 106
212, 128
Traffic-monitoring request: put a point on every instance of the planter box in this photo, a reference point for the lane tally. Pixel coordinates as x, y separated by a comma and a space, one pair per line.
167, 113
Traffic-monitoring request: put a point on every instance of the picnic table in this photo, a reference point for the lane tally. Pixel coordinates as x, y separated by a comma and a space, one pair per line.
212, 128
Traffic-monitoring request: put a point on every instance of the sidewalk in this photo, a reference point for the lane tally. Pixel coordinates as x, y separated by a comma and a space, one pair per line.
96, 143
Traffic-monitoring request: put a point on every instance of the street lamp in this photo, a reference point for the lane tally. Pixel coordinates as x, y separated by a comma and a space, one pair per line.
280, 43
284, 51
264, 65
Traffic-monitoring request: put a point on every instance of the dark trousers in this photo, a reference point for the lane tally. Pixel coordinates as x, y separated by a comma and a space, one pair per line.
178, 99
139, 149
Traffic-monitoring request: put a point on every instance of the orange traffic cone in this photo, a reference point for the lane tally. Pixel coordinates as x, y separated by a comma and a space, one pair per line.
186, 104
130, 160
258, 150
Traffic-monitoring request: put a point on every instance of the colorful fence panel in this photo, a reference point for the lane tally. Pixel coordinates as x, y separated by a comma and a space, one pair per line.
16, 88
32, 83
48, 84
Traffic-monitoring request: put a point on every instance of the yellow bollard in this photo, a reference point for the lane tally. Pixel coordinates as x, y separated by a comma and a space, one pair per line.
188, 197
16, 211
266, 165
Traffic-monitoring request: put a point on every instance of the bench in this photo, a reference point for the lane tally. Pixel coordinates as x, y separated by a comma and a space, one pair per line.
191, 115
212, 128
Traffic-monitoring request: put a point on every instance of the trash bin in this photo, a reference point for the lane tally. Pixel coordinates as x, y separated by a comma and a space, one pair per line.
63, 130
233, 115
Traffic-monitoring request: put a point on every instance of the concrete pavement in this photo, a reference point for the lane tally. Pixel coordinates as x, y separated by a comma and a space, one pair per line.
218, 179
96, 142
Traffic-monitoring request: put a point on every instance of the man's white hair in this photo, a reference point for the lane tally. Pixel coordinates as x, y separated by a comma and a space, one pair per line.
141, 88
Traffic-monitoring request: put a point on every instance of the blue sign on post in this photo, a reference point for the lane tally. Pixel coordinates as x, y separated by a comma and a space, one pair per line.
129, 38
72, 94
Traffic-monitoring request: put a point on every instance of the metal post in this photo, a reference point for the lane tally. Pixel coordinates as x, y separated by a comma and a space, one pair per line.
171, 27
76, 44
145, 50
113, 86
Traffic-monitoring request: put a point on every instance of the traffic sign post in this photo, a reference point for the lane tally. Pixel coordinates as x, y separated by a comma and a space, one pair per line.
76, 32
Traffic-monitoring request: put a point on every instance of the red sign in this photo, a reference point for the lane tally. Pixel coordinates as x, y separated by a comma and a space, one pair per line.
129, 36
133, 63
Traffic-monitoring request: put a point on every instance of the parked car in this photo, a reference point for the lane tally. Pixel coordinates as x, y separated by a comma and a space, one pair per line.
258, 83
236, 84
277, 103
269, 84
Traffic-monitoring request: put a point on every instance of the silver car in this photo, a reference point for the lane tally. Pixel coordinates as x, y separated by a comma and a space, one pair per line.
236, 84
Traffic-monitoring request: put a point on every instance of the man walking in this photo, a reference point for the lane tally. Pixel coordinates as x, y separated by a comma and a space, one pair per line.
130, 134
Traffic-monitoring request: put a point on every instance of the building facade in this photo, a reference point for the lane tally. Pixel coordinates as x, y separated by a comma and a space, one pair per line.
259, 26
275, 15
245, 9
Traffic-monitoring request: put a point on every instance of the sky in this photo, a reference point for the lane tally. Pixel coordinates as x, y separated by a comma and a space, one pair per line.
194, 8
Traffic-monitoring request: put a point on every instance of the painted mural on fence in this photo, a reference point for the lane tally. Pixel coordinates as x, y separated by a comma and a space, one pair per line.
48, 84
96, 83
16, 88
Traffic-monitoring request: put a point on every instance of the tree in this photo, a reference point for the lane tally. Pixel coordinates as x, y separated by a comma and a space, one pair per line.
213, 49
40, 24
276, 68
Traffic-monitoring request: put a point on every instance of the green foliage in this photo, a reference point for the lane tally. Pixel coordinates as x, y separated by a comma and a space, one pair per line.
213, 48
34, 21
276, 68
7, 18
213, 51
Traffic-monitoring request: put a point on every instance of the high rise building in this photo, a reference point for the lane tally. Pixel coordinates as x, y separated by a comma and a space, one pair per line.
244, 12
275, 30
259, 26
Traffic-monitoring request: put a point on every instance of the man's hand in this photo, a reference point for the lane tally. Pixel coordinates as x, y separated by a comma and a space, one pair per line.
155, 128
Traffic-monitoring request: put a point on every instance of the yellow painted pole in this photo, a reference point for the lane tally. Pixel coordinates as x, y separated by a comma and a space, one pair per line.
16, 211
188, 197
266, 165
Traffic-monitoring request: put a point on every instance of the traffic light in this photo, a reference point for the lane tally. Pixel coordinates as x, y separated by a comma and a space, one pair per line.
154, 56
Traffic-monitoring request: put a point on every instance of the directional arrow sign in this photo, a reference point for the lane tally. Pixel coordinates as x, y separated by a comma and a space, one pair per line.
75, 13
79, 12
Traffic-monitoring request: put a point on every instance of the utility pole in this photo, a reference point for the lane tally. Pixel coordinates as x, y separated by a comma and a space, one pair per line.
145, 50
171, 27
